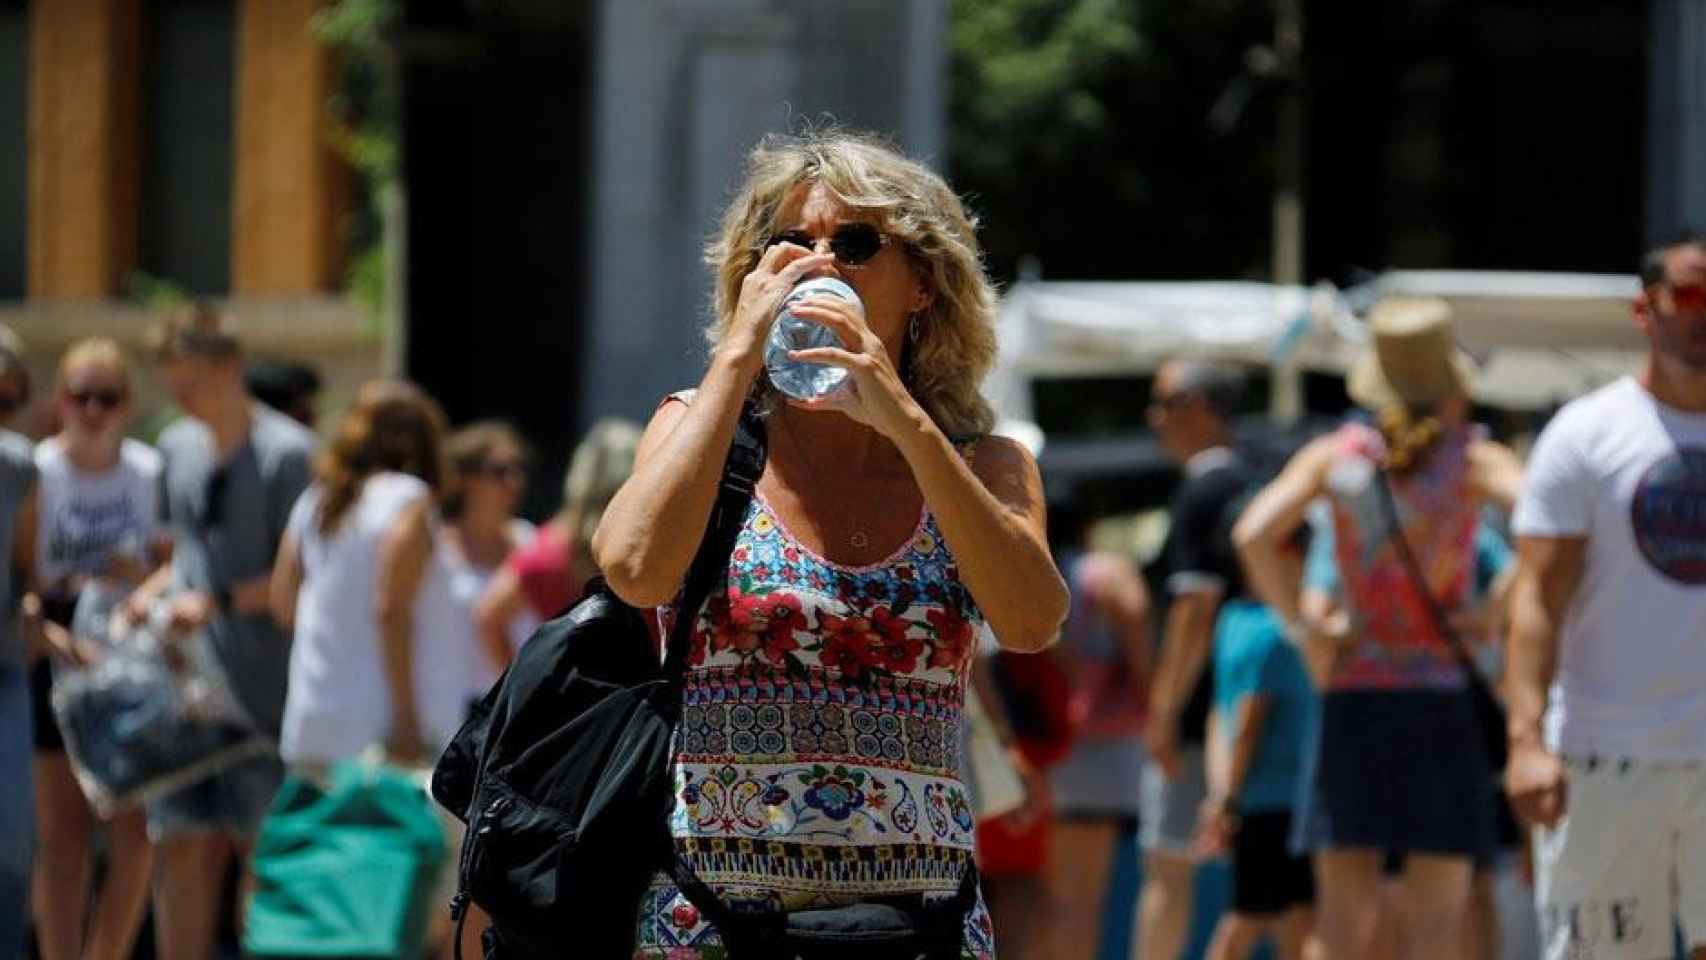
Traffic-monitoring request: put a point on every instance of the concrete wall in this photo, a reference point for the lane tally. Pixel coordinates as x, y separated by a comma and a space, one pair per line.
683, 88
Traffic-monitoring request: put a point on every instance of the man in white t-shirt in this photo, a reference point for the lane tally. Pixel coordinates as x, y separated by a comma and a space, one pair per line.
1607, 673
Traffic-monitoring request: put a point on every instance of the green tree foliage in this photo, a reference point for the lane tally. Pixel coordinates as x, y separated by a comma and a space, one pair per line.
1081, 131
365, 115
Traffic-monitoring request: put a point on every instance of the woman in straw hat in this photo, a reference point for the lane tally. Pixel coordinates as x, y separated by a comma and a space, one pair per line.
1400, 767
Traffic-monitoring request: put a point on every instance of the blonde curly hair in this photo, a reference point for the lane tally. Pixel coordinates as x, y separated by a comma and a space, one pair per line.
955, 348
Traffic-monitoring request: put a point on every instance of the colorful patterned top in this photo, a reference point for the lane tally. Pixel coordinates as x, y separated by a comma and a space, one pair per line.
1398, 645
818, 760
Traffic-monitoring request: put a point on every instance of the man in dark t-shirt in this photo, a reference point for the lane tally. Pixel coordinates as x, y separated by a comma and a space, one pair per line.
1190, 408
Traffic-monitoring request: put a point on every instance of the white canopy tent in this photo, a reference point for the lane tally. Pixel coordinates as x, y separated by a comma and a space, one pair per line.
1540, 338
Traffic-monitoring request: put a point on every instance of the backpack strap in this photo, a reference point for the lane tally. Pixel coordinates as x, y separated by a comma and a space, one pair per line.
741, 470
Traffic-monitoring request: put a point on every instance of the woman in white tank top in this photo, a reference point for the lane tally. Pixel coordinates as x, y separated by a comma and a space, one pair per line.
358, 581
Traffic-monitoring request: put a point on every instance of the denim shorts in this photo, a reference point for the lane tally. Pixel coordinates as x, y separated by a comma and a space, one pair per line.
232, 801
17, 809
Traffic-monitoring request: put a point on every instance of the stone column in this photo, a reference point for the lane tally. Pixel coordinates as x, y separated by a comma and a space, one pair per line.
288, 185
83, 141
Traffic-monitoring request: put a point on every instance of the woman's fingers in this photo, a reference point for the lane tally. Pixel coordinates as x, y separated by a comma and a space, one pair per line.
839, 316
796, 262
832, 357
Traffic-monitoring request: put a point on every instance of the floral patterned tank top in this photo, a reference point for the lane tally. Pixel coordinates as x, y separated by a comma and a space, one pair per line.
1398, 646
818, 756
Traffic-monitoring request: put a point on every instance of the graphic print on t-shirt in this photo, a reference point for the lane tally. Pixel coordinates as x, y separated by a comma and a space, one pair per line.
1668, 512
83, 534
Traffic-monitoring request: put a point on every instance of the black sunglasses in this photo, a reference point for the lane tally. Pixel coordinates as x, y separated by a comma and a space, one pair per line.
99, 399
1176, 400
514, 471
853, 244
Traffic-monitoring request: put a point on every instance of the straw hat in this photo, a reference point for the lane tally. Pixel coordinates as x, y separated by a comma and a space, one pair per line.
1414, 360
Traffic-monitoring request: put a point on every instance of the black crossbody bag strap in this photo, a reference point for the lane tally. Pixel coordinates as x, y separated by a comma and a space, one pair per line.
1489, 713
741, 470
1401, 543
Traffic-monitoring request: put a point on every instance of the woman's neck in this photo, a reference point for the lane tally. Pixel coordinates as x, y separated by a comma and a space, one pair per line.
91, 454
483, 538
830, 439
483, 527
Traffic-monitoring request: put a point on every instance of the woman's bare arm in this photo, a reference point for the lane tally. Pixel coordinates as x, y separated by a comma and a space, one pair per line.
497, 609
1123, 598
403, 559
992, 515
286, 582
652, 528
1495, 473
1272, 517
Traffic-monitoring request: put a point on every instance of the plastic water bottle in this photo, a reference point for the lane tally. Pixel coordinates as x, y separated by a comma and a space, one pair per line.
805, 381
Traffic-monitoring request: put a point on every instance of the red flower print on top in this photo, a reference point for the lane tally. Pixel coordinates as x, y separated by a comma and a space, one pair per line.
849, 643
765, 624
953, 638
895, 650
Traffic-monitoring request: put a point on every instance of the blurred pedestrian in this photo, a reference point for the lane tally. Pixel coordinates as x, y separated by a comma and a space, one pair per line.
97, 538
19, 640
1107, 649
488, 474
1026, 700
888, 530
1607, 665
1263, 708
542, 578
1490, 931
288, 386
1399, 763
357, 583
232, 470
1191, 409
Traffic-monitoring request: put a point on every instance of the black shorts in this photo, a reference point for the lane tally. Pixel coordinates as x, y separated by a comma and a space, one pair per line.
47, 738
1399, 771
55, 609
1266, 877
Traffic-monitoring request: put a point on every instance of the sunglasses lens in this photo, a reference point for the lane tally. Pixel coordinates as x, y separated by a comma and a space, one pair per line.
1690, 299
794, 237
856, 243
99, 399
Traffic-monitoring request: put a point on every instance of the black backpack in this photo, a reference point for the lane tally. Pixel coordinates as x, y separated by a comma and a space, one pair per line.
562, 771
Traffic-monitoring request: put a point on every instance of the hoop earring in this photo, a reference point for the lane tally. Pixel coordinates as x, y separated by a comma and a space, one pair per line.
914, 329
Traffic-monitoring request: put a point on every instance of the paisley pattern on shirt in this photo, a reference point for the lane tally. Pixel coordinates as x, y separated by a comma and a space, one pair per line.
818, 754
1398, 646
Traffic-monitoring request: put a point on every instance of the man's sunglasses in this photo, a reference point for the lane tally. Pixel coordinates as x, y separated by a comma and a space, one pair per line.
512, 471
853, 244
1686, 298
1176, 400
101, 400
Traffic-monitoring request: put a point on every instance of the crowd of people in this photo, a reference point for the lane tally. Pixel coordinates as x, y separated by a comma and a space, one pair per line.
1318, 681
1349, 649
359, 593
